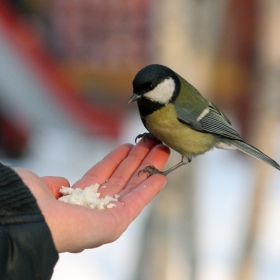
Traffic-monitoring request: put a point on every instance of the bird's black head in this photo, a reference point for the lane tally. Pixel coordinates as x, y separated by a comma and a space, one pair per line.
154, 86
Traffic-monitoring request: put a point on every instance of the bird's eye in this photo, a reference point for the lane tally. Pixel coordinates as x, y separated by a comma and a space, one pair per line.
151, 87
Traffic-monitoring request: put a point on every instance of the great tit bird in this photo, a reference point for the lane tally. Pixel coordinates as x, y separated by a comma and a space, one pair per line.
174, 112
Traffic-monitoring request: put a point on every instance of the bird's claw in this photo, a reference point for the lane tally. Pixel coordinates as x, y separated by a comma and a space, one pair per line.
146, 135
151, 170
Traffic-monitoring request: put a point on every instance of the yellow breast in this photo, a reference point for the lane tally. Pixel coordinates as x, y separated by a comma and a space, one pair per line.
164, 125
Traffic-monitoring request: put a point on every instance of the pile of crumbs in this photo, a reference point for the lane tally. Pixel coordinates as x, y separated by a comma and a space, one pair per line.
88, 197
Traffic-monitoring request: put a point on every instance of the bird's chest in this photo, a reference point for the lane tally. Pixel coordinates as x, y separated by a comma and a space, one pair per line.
164, 125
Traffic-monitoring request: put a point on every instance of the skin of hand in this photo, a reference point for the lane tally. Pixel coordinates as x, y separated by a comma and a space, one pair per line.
74, 227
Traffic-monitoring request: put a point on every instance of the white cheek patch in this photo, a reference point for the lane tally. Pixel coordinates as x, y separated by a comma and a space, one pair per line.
163, 92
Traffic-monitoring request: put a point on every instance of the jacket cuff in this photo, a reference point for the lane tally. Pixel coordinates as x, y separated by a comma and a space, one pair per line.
27, 248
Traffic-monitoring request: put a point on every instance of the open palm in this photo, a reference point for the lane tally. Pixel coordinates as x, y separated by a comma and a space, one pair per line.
75, 228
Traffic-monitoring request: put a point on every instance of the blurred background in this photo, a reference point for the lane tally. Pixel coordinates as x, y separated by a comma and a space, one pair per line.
66, 69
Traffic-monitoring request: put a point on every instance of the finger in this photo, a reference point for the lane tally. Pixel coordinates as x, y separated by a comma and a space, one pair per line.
55, 183
127, 168
101, 171
157, 157
133, 202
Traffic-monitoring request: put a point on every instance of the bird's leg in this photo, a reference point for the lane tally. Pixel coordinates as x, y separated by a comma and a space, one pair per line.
146, 135
151, 170
185, 160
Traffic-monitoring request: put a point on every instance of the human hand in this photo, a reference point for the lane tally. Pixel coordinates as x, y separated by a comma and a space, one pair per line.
74, 227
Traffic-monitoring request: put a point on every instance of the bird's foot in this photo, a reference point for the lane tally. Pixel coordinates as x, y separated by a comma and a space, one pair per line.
151, 170
146, 135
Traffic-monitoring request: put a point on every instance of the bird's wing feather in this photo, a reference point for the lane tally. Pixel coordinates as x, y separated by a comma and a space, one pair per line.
213, 121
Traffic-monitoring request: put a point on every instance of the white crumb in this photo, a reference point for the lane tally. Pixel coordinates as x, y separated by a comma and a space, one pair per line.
88, 197
116, 196
111, 205
103, 187
66, 190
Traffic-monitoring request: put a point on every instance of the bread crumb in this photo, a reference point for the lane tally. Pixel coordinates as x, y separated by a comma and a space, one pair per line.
88, 197
111, 205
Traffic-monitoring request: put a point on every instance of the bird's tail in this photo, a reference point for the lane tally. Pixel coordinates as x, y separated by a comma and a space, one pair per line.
254, 152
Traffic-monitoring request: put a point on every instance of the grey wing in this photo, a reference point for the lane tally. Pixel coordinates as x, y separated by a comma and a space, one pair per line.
209, 119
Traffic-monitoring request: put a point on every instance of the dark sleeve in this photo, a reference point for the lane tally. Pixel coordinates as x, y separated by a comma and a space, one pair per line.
27, 250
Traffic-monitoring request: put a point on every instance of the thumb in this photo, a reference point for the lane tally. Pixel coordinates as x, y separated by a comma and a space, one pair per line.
55, 183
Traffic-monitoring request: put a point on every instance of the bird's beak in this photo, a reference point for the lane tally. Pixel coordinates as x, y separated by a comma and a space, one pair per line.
133, 97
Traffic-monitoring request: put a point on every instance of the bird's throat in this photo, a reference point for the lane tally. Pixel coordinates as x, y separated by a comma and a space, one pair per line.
147, 107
